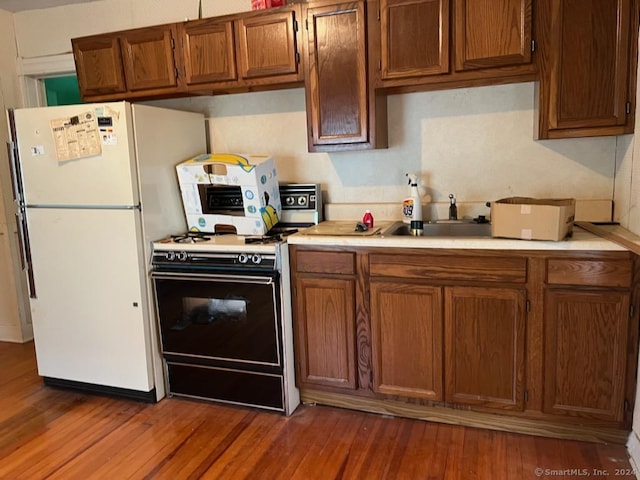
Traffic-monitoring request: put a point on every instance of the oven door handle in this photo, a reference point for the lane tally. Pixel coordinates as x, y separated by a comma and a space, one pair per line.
215, 277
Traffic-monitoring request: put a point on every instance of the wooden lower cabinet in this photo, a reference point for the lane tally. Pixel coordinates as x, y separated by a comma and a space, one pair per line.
406, 335
532, 342
464, 345
325, 332
484, 346
586, 353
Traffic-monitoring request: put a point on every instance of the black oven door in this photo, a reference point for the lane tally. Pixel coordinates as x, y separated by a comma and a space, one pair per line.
214, 319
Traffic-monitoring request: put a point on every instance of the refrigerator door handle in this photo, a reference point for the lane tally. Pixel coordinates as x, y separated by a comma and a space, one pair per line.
25, 251
14, 175
14, 164
18, 197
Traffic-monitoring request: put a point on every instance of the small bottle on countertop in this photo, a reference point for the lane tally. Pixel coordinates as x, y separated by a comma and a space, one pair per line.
367, 219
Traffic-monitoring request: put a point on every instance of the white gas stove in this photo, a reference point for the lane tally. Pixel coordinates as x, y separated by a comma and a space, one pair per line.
223, 306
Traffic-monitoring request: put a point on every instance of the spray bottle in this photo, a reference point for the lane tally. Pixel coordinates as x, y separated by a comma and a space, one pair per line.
412, 206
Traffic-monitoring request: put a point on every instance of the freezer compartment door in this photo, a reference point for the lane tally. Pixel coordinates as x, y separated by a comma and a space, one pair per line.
107, 178
90, 315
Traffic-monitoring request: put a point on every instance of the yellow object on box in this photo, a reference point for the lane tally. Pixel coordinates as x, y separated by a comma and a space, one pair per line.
532, 218
257, 178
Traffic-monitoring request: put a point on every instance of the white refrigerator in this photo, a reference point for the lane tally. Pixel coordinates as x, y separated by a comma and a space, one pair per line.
96, 184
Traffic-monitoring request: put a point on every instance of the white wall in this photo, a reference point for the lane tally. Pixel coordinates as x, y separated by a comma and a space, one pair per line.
476, 143
15, 323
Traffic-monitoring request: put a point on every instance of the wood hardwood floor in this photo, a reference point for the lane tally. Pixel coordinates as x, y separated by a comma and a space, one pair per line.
57, 434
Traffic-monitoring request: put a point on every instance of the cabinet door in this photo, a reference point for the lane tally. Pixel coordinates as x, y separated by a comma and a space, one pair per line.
585, 353
337, 75
492, 33
484, 346
148, 55
99, 65
586, 81
325, 332
208, 51
406, 331
267, 45
415, 37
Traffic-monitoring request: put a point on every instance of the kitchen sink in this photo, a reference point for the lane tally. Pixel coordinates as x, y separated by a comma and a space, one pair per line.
444, 229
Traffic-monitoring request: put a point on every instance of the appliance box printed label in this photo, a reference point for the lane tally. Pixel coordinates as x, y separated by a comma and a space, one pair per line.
255, 174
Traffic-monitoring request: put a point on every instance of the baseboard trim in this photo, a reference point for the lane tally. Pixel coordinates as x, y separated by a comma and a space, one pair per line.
528, 426
149, 397
633, 449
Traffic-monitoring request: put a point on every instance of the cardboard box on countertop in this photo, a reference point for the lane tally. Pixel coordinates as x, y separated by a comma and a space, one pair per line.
532, 219
255, 174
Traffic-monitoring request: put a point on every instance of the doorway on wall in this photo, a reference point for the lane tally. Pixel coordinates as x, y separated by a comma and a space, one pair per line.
62, 90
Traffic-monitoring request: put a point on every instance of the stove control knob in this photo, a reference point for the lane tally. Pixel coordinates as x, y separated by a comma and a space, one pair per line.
256, 259
243, 258
182, 256
302, 201
289, 200
171, 256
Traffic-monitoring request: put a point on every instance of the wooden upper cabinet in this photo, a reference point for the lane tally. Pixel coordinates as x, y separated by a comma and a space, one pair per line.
148, 57
99, 65
337, 74
415, 37
587, 67
267, 45
431, 44
208, 51
344, 112
240, 51
220, 54
492, 33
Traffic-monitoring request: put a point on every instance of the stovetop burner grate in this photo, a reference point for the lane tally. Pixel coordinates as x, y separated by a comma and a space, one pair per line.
191, 237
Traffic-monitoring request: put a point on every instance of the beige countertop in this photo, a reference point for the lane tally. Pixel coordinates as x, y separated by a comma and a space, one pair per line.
581, 240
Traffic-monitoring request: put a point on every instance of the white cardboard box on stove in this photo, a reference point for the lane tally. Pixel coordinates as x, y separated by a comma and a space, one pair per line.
255, 174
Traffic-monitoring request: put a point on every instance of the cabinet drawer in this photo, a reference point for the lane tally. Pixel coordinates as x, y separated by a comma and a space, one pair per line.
325, 262
460, 268
597, 273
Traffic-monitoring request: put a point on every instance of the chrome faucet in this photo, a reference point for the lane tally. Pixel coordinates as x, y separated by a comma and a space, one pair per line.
453, 209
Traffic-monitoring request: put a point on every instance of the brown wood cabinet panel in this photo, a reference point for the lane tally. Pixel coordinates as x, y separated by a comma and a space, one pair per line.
600, 273
450, 268
148, 55
585, 353
439, 44
267, 45
406, 330
415, 37
208, 51
312, 261
325, 332
492, 33
337, 93
99, 65
587, 82
484, 346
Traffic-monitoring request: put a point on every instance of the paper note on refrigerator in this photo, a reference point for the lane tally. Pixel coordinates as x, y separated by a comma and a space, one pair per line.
76, 137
